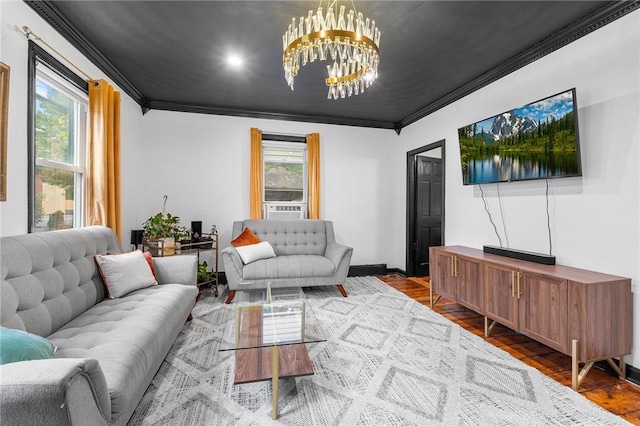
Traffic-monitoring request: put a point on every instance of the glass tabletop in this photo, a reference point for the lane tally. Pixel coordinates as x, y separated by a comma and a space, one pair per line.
287, 320
269, 295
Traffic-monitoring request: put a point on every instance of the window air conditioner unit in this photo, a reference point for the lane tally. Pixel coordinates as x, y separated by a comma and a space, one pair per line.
285, 211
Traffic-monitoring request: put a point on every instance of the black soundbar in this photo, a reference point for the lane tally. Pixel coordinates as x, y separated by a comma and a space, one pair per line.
544, 259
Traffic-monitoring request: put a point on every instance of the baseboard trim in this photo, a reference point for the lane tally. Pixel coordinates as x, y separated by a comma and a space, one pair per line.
633, 374
396, 271
365, 270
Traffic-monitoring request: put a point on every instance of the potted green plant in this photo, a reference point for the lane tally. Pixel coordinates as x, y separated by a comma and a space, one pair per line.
183, 237
203, 274
161, 232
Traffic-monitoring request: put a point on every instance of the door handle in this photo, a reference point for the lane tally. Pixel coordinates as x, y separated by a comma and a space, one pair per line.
513, 283
455, 266
519, 277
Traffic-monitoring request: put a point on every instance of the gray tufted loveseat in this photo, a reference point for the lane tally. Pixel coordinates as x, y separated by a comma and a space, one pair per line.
307, 254
108, 350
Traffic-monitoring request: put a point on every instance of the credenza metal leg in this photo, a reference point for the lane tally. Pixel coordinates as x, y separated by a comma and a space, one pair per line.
574, 364
487, 327
577, 376
621, 369
431, 301
275, 369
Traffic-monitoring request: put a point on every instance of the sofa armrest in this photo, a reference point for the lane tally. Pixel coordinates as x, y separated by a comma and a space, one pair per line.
232, 266
336, 252
54, 391
181, 269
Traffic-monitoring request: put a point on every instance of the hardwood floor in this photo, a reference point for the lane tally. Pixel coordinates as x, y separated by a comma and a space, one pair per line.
617, 396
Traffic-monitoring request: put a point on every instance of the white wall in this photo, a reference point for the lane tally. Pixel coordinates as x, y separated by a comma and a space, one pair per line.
14, 52
595, 219
201, 162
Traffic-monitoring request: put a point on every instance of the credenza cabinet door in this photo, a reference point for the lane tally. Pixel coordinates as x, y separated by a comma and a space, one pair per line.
446, 282
501, 303
543, 309
584, 314
470, 284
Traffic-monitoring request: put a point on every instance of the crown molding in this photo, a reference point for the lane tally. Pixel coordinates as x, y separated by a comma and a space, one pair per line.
550, 44
586, 25
320, 119
50, 13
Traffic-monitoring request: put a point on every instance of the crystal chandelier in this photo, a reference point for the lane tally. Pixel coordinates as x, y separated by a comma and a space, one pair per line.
350, 41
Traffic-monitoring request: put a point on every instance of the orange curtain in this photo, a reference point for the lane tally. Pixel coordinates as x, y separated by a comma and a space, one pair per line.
313, 154
255, 174
103, 157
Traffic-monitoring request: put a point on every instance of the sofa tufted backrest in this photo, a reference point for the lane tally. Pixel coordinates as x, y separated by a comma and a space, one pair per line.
49, 278
294, 236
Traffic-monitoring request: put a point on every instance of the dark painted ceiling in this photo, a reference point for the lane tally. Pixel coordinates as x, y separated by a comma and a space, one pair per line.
169, 54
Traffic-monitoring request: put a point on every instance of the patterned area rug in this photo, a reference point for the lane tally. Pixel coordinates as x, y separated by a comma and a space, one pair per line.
388, 361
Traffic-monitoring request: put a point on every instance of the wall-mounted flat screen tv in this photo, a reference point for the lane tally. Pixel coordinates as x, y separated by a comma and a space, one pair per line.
536, 141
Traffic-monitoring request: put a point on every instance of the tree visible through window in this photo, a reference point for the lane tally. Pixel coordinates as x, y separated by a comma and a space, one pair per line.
60, 117
285, 170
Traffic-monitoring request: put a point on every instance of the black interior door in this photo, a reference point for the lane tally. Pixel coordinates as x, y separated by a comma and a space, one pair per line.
429, 210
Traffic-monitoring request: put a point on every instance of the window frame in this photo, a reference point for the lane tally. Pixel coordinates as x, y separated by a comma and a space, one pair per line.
75, 87
286, 143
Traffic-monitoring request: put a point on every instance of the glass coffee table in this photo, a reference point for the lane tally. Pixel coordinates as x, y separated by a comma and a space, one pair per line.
269, 335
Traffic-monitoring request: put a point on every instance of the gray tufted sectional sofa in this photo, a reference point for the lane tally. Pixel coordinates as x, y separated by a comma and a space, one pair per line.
307, 254
108, 349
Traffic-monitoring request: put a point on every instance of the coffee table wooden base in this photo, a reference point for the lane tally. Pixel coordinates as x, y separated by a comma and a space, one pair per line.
272, 363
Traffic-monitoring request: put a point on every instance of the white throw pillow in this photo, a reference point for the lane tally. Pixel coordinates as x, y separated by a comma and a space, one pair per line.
124, 273
253, 252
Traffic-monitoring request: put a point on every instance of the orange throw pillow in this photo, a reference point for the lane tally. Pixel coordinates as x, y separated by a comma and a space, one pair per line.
149, 259
246, 238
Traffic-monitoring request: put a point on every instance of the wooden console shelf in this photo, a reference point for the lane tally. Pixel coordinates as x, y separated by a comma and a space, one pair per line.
584, 314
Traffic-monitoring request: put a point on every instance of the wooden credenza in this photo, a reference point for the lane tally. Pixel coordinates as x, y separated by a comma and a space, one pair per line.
584, 314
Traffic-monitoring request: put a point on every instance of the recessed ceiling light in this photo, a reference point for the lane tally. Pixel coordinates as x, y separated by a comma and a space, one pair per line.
235, 60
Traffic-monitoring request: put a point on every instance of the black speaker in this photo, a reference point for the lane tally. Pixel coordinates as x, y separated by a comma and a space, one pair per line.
136, 237
545, 259
196, 228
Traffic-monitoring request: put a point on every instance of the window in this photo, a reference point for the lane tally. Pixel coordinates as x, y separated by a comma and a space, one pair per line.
285, 172
58, 110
